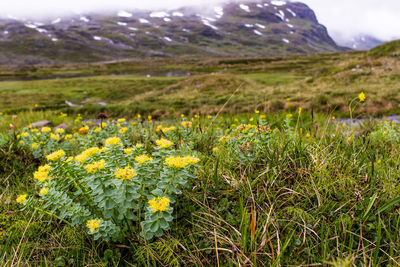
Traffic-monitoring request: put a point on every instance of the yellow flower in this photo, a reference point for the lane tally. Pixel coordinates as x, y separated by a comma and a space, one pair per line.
121, 120
21, 142
83, 130
103, 125
256, 111
138, 115
46, 129
288, 116
164, 143
308, 135
186, 124
55, 155
123, 130
149, 118
60, 130
87, 153
224, 139
35, 145
44, 191
177, 162
25, 134
165, 129
262, 117
95, 166
44, 168
128, 151
192, 160
97, 129
125, 174
379, 161
34, 130
215, 149
113, 141
41, 176
68, 136
333, 118
21, 198
159, 204
300, 110
54, 136
143, 158
361, 96
93, 224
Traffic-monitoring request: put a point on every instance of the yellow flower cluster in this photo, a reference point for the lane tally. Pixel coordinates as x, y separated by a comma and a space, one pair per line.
87, 153
54, 136
46, 129
44, 191
60, 130
245, 127
35, 145
123, 130
83, 130
181, 162
113, 141
143, 158
55, 155
159, 204
95, 166
125, 174
93, 224
128, 151
165, 129
25, 134
121, 120
164, 143
42, 174
21, 198
186, 124
224, 139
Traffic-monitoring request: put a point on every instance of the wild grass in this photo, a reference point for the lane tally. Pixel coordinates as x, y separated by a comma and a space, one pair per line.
303, 193
319, 82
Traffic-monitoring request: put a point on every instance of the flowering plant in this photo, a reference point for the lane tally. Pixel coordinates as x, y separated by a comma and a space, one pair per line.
114, 189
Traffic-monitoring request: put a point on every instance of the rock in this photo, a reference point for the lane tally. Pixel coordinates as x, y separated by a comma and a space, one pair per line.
41, 124
61, 126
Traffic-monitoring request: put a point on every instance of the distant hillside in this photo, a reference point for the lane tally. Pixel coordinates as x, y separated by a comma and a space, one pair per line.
267, 28
387, 49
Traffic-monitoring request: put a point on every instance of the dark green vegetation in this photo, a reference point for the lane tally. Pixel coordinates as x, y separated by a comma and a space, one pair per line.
294, 195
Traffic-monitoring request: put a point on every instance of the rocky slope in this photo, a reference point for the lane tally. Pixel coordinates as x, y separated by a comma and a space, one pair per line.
258, 28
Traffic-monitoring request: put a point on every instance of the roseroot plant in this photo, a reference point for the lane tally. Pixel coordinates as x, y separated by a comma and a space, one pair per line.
114, 191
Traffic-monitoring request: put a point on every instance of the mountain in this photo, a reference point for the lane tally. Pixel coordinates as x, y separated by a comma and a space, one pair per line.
267, 28
360, 42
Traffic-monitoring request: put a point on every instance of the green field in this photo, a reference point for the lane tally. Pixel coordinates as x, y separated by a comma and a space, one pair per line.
260, 167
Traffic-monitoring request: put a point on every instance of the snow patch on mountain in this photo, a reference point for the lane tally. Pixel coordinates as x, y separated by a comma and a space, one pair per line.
244, 7
124, 14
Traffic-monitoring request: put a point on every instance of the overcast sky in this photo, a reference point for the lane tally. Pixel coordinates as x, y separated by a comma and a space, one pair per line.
380, 18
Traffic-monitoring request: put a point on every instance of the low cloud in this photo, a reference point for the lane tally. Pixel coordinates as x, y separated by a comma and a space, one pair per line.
346, 18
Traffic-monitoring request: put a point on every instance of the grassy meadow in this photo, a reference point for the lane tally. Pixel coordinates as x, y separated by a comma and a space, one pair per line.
244, 162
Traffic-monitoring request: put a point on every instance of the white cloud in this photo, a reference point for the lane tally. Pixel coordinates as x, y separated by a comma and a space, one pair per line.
346, 18
343, 18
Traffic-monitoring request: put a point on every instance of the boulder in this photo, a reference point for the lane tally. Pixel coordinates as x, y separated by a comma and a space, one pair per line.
40, 124
61, 126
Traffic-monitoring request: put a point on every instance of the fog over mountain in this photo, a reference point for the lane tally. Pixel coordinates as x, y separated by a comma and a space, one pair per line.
345, 19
